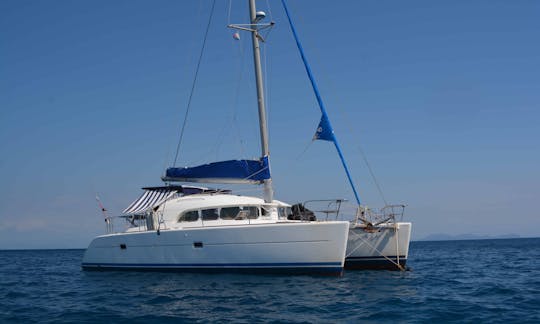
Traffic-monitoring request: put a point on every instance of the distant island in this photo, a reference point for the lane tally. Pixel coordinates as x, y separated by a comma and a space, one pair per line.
448, 237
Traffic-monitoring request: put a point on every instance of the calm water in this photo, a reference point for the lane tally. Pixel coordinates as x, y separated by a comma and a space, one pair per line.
472, 281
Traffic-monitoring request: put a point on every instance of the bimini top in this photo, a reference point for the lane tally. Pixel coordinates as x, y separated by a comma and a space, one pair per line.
232, 171
154, 196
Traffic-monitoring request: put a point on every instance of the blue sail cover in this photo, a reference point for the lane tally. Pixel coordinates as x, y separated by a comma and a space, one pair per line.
232, 171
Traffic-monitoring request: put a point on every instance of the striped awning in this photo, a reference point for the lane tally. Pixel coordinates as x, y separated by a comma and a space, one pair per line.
149, 199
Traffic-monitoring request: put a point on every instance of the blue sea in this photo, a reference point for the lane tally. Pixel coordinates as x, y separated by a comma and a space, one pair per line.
485, 281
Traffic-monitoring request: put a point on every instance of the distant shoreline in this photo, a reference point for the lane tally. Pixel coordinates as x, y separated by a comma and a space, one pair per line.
469, 237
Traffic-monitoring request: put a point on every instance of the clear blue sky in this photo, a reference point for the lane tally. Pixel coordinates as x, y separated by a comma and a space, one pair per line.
444, 98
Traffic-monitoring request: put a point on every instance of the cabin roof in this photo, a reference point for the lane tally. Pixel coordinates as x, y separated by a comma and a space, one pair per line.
202, 201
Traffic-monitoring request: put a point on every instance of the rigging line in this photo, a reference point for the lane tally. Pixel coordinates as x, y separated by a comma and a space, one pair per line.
359, 148
189, 62
305, 150
167, 155
320, 102
233, 122
194, 82
332, 85
267, 95
269, 10
229, 13
238, 93
343, 112
351, 129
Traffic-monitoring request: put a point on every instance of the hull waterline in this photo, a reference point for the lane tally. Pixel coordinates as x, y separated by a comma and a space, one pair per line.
304, 247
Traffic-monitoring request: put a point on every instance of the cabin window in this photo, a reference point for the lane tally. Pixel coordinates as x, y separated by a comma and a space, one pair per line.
265, 210
209, 214
252, 212
229, 212
190, 216
282, 212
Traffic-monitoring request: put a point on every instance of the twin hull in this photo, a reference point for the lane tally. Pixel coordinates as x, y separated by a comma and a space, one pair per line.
302, 247
382, 247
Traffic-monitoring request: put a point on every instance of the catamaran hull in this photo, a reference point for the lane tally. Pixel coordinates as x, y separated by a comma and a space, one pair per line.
384, 247
304, 247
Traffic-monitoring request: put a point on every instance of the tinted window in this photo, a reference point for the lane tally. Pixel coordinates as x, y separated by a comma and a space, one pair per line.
190, 216
229, 212
252, 212
209, 214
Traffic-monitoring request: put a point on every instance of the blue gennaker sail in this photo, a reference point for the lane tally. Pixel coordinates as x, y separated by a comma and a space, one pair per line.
324, 130
231, 171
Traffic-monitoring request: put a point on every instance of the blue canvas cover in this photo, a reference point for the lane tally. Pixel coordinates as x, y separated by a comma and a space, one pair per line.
232, 171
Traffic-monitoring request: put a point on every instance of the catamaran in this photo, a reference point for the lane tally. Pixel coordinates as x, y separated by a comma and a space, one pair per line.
182, 227
197, 229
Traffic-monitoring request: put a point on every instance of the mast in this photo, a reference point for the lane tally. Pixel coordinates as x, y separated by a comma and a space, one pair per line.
268, 190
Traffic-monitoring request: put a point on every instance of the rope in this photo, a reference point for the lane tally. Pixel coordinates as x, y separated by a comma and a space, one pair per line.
351, 129
269, 10
233, 122
229, 13
372, 174
194, 83
320, 101
304, 151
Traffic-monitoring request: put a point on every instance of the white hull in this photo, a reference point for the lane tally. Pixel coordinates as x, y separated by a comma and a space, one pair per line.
382, 248
288, 246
